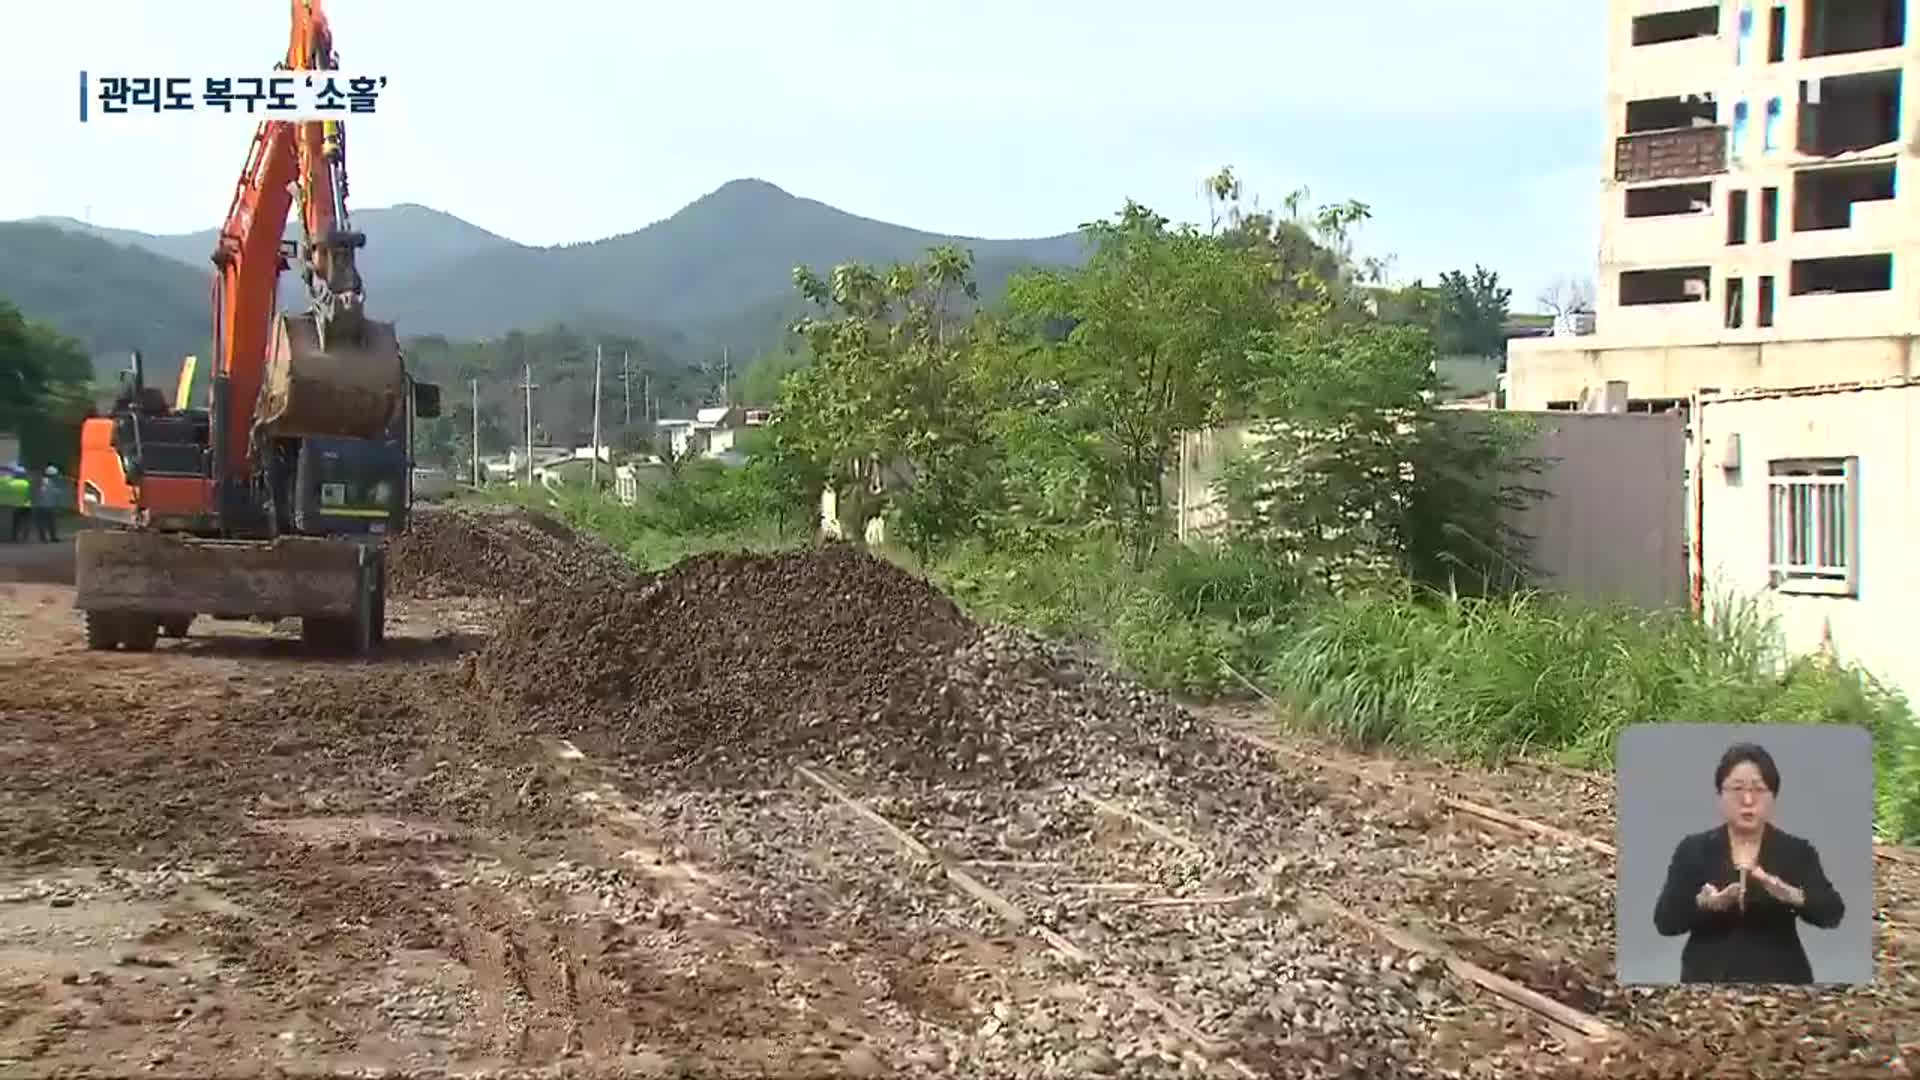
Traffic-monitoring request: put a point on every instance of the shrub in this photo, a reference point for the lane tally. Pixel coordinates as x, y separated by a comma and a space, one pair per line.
1530, 674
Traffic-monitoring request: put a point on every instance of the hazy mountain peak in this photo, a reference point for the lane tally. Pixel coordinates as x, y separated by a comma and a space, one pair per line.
720, 269
751, 185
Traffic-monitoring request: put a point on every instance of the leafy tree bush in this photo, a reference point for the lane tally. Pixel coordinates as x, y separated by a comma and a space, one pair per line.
45, 389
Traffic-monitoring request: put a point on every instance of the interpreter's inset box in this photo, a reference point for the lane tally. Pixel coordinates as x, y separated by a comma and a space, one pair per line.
1745, 854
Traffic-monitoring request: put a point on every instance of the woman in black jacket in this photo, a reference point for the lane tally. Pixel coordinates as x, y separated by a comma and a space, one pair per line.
1739, 891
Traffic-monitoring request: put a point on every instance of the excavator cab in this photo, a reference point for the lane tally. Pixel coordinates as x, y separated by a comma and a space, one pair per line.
145, 461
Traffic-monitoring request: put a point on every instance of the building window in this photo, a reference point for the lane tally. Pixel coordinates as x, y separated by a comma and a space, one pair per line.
1764, 301
1769, 215
1687, 25
1770, 129
1668, 200
1812, 514
1736, 302
1744, 38
1827, 198
1777, 34
1739, 137
1736, 218
1667, 285
1834, 27
1840, 274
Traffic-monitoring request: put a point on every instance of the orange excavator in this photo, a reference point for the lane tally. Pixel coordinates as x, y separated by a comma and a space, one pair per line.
273, 501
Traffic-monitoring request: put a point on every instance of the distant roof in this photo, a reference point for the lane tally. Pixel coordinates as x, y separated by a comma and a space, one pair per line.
713, 414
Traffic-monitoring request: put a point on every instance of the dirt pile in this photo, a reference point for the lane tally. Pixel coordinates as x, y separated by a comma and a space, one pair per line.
499, 553
731, 667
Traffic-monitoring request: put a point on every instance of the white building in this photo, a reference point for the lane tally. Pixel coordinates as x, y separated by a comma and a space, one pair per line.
1809, 499
1755, 231
712, 432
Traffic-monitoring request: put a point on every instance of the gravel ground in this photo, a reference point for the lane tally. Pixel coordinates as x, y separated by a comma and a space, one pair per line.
593, 841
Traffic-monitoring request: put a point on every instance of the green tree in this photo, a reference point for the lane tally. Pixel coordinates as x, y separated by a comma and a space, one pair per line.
45, 389
1470, 314
1164, 319
1311, 252
887, 406
1355, 474
759, 385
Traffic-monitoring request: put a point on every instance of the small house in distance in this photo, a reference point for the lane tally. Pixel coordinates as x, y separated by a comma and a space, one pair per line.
712, 431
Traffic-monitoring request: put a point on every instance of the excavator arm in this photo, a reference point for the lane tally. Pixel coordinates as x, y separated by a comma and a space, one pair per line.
330, 372
271, 503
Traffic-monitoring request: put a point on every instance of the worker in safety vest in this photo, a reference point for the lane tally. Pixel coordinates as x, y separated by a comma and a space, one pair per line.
48, 498
16, 501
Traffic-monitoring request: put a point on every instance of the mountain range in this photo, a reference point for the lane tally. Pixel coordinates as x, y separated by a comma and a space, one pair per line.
718, 274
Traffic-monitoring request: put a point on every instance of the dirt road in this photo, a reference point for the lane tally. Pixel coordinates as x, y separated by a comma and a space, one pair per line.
717, 824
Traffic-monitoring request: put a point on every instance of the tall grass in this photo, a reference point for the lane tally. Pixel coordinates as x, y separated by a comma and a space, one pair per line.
1178, 624
1532, 675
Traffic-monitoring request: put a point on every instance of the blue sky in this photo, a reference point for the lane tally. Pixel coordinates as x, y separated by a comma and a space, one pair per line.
1474, 130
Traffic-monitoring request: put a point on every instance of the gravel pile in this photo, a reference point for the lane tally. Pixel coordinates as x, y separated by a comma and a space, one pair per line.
499, 553
730, 668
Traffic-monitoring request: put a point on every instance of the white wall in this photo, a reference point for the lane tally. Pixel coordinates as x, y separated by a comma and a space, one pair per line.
1876, 425
1611, 525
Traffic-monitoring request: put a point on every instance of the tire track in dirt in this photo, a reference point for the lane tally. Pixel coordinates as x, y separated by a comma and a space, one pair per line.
776, 920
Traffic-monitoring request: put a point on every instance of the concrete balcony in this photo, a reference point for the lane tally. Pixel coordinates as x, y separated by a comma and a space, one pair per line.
1648, 323
1871, 226
1664, 240
1849, 315
1671, 67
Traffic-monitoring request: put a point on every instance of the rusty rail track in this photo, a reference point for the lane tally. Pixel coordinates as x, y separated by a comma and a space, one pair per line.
1578, 1031
1214, 1050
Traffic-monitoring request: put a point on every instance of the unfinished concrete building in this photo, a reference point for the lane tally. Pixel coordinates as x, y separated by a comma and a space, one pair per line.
1754, 228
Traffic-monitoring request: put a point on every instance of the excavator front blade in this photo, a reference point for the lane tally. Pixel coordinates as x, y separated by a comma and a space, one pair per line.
136, 572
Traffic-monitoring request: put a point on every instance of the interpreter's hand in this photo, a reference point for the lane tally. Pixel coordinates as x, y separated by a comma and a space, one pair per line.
1712, 899
1776, 888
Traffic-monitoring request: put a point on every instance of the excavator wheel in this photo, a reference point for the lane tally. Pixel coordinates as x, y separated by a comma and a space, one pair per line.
378, 634
139, 633
327, 635
103, 630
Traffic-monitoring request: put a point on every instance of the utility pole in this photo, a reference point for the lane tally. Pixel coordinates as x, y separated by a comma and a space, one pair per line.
626, 385
647, 410
526, 384
726, 369
475, 384
593, 471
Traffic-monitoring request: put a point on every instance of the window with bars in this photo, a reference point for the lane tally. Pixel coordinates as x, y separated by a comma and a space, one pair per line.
1813, 518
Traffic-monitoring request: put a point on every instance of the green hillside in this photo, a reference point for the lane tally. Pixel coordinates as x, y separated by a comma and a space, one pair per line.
112, 298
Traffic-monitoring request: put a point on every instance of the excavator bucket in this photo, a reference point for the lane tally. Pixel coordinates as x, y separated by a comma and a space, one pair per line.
351, 390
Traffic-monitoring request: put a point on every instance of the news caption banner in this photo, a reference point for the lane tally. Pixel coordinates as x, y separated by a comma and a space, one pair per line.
287, 95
